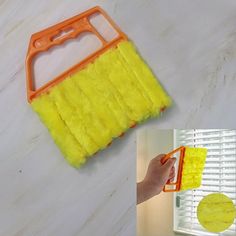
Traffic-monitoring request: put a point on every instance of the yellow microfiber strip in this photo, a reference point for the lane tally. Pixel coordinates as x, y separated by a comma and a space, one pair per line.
98, 103
47, 110
193, 165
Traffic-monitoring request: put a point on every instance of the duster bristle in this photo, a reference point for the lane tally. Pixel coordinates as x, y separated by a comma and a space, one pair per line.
193, 165
98, 103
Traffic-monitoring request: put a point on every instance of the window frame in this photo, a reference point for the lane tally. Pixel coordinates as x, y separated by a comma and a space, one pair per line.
175, 215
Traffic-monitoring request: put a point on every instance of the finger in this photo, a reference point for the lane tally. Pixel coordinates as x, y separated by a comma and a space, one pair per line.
172, 179
158, 158
171, 175
172, 169
169, 164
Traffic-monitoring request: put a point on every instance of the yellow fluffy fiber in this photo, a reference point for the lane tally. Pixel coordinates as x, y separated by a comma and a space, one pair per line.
216, 212
193, 165
87, 110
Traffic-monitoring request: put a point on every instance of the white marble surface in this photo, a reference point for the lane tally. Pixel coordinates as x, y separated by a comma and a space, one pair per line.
190, 45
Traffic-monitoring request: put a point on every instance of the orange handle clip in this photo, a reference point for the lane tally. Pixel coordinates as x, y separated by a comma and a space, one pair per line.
177, 184
52, 36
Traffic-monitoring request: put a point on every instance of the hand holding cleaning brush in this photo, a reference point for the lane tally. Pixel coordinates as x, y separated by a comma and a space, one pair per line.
161, 172
158, 174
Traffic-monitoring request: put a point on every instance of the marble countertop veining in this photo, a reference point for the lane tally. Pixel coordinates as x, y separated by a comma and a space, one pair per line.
189, 44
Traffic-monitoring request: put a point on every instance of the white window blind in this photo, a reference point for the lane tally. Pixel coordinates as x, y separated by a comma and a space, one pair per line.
219, 176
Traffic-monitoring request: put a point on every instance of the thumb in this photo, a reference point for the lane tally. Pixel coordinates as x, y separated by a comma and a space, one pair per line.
157, 160
169, 163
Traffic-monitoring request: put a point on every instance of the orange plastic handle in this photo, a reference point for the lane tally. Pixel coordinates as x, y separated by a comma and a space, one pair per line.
177, 184
43, 40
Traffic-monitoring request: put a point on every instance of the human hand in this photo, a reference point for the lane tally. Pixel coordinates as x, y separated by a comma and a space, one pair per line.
156, 177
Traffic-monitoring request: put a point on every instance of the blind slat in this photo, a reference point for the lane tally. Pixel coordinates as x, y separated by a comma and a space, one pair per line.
219, 175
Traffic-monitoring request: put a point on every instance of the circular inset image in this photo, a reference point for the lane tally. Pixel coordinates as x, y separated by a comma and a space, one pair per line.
216, 212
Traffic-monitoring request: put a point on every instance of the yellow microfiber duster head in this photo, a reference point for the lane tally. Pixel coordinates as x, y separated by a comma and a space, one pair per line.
100, 101
191, 162
193, 165
216, 212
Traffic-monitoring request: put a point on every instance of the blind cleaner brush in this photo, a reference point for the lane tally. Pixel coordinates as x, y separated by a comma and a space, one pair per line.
191, 162
99, 98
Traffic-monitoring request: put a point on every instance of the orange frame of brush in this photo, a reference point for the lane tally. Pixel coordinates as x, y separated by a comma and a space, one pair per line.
177, 183
72, 27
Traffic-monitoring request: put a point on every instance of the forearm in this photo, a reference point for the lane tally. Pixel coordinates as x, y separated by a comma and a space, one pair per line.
145, 191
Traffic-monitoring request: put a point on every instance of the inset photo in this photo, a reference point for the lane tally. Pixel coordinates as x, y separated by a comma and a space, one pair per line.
186, 182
